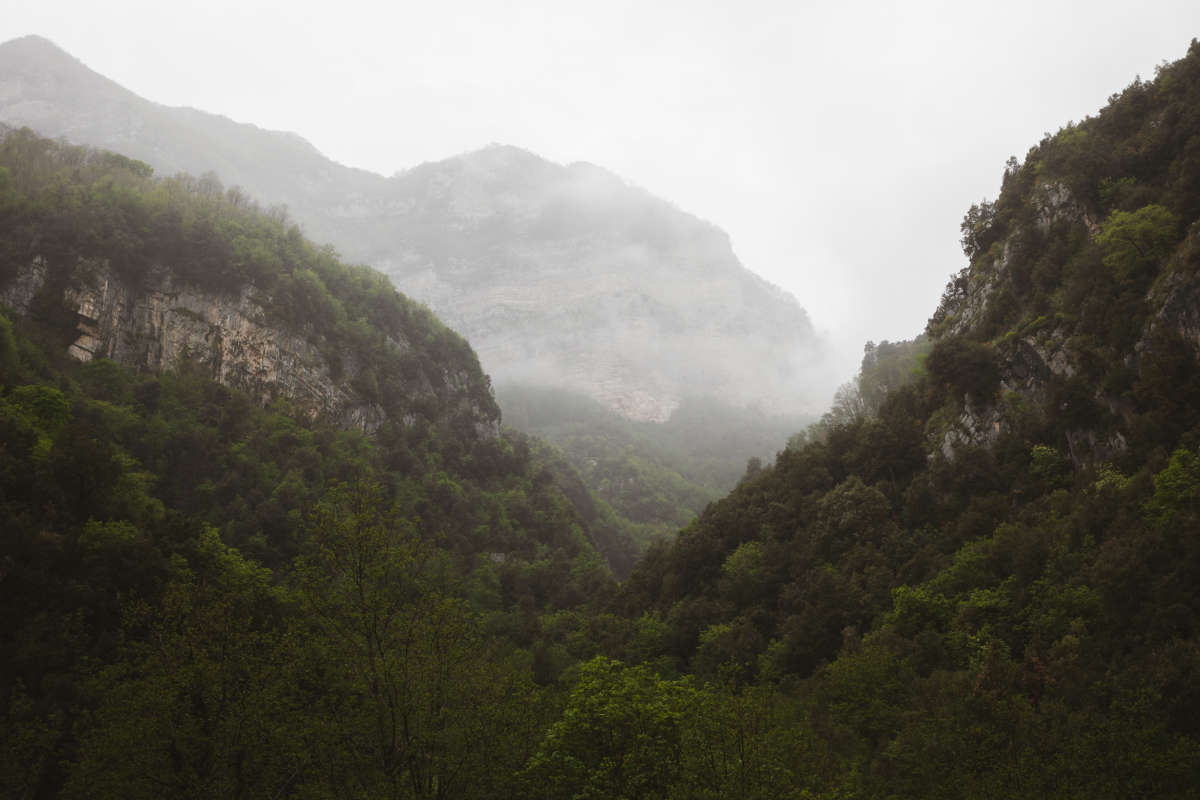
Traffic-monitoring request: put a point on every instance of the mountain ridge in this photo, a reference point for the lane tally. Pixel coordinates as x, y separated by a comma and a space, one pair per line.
491, 240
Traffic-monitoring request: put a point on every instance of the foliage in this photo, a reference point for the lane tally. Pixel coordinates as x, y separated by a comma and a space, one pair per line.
1011, 616
169, 584
71, 206
1135, 243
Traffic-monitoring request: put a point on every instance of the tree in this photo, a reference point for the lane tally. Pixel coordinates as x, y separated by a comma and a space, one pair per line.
965, 367
1136, 242
410, 701
197, 709
979, 229
619, 736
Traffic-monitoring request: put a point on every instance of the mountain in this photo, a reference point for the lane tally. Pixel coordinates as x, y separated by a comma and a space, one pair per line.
46, 89
156, 274
209, 425
564, 276
977, 576
569, 277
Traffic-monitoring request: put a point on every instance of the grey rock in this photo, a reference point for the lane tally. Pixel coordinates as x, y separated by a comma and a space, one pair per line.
160, 323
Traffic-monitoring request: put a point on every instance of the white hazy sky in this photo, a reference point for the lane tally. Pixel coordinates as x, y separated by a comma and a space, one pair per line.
839, 143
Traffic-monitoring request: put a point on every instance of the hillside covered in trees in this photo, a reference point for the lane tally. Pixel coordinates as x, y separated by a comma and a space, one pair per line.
976, 576
138, 503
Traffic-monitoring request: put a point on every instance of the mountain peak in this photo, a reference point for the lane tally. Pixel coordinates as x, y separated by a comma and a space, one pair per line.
34, 50
33, 69
502, 156
34, 43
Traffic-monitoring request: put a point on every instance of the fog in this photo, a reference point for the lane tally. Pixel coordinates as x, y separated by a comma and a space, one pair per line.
838, 144
570, 277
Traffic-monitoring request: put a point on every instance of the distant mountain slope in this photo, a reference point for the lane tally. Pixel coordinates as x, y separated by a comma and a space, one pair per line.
104, 264
565, 276
46, 89
657, 476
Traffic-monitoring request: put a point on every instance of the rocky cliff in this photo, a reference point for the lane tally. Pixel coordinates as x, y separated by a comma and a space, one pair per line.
1082, 291
161, 323
154, 273
559, 275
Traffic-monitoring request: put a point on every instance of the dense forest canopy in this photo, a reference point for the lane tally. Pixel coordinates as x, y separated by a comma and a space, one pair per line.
976, 576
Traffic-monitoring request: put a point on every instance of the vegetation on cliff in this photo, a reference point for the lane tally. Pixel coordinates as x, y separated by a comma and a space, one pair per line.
183, 571
977, 574
60, 205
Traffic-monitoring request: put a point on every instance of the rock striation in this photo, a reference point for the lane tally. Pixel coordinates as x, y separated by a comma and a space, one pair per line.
160, 323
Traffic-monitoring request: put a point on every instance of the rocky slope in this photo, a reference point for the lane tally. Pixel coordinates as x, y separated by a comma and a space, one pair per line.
160, 323
1082, 286
561, 275
567, 276
153, 274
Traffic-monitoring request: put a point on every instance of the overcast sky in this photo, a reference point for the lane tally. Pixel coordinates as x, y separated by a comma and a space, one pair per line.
838, 143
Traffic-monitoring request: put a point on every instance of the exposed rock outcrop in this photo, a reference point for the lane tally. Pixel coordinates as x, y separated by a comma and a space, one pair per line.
1044, 355
160, 323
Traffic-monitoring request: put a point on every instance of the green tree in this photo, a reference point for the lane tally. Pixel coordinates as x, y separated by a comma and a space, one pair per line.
198, 708
1136, 242
412, 701
619, 737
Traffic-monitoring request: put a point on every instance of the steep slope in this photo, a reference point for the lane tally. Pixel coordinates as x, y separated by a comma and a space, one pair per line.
568, 277
985, 583
154, 273
1082, 284
1064, 354
563, 276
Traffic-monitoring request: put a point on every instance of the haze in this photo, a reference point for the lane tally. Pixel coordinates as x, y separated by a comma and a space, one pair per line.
838, 145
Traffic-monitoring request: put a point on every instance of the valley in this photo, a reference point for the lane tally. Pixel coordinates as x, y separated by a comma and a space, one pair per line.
272, 526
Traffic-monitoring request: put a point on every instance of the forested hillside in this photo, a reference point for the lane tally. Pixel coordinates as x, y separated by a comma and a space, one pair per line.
977, 576
565, 278
170, 543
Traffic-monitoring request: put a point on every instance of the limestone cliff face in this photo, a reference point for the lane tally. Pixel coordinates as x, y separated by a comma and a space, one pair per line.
973, 292
159, 323
560, 275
